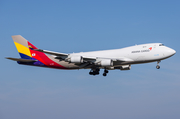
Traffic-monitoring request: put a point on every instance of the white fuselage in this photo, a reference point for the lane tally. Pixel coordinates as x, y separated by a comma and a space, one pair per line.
134, 54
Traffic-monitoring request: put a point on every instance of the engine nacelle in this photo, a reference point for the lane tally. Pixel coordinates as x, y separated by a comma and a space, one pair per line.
75, 59
125, 67
105, 63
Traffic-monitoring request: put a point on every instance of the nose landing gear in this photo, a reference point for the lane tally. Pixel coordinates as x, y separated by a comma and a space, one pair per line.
158, 66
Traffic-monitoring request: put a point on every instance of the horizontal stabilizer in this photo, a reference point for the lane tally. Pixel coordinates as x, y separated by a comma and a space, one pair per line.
21, 60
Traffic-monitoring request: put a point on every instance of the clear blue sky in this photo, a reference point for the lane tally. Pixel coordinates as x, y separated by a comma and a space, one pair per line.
81, 25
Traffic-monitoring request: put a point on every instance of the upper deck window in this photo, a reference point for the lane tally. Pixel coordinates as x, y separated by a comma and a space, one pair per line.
161, 44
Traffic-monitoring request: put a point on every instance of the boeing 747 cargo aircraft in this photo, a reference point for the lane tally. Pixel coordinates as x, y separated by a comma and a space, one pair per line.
106, 59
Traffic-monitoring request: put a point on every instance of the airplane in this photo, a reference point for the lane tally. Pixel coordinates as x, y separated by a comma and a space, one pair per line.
121, 59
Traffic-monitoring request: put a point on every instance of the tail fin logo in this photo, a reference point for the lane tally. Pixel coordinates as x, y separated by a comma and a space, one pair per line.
34, 54
30, 47
150, 48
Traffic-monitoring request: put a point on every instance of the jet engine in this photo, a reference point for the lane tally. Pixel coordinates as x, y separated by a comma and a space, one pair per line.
106, 63
75, 59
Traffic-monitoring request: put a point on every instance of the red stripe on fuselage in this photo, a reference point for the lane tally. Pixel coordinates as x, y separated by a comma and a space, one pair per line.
44, 58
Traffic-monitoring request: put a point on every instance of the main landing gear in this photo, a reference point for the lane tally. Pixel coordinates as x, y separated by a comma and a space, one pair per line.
94, 72
105, 72
158, 66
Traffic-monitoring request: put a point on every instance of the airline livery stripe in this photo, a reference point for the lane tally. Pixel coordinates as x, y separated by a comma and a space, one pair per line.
22, 49
44, 58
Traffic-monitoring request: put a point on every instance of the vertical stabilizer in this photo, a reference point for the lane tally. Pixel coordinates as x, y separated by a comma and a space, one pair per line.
22, 46
30, 56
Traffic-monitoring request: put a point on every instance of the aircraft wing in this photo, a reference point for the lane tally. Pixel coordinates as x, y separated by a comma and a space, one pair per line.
51, 52
85, 58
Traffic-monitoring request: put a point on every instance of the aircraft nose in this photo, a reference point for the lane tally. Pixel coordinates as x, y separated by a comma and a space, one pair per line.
171, 51
168, 52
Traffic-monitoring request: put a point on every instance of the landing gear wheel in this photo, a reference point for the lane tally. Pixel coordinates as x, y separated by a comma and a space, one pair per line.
106, 71
104, 74
158, 67
91, 73
94, 72
97, 73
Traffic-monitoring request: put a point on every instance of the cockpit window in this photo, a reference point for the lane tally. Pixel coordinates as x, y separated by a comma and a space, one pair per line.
161, 44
